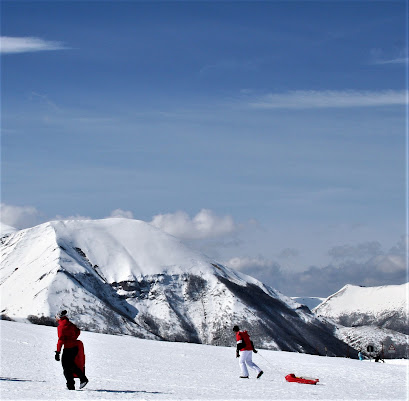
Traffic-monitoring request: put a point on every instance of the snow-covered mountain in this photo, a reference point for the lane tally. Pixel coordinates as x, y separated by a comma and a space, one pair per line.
385, 306
377, 316
123, 276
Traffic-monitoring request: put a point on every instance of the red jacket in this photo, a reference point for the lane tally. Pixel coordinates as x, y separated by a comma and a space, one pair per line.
67, 334
243, 337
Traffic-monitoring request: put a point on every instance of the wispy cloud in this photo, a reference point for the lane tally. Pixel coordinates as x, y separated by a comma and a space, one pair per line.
399, 60
242, 263
44, 99
382, 57
28, 44
329, 99
20, 216
204, 225
119, 213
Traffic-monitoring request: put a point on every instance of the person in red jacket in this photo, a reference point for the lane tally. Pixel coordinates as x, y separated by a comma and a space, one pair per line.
67, 336
244, 351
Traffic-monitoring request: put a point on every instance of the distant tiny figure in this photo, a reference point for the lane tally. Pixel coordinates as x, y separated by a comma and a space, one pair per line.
360, 356
73, 358
244, 350
378, 358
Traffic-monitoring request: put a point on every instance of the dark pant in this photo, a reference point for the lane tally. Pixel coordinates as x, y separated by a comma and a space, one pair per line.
70, 367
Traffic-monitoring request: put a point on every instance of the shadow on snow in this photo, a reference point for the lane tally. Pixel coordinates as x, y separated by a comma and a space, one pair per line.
14, 379
126, 391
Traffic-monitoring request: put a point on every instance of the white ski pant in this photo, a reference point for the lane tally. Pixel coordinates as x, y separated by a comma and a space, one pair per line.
246, 359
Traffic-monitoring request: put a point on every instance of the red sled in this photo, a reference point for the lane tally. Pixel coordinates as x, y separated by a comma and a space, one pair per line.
293, 378
80, 357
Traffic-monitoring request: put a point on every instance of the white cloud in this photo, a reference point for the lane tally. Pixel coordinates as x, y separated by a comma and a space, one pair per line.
382, 57
119, 213
20, 216
73, 217
398, 60
204, 225
27, 44
330, 99
240, 263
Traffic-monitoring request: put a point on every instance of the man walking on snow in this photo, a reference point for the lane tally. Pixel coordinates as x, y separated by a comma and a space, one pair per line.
67, 336
244, 351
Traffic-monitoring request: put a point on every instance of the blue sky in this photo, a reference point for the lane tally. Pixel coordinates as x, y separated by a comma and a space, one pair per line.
269, 135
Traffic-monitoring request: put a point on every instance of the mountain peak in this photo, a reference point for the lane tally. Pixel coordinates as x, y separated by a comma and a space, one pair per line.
124, 249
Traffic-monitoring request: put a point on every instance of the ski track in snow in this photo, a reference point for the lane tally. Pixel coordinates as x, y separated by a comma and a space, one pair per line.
124, 367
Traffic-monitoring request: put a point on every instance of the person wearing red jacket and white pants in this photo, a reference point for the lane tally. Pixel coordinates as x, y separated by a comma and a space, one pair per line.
67, 336
244, 351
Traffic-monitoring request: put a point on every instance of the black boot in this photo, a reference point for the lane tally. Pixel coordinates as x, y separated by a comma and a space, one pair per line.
83, 381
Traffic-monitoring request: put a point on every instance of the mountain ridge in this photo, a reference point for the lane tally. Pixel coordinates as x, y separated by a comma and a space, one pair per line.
123, 276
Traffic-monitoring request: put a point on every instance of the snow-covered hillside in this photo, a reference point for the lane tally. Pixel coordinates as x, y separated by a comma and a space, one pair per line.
385, 306
124, 276
376, 316
386, 343
128, 368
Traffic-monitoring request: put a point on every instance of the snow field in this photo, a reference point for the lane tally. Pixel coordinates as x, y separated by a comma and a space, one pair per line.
124, 367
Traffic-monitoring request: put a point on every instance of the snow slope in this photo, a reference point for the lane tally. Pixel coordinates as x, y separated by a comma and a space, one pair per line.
387, 343
127, 368
123, 276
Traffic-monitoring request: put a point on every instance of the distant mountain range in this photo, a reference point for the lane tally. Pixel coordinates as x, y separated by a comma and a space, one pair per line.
124, 276
311, 302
